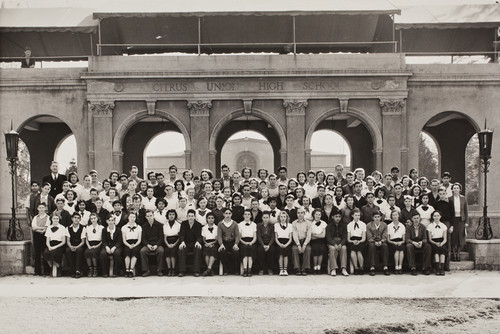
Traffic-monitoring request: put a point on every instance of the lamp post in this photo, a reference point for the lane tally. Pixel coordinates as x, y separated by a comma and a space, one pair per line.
483, 230
11, 143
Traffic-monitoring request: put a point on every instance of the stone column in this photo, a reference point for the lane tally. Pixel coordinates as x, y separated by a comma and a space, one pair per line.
102, 115
394, 135
200, 134
307, 152
295, 135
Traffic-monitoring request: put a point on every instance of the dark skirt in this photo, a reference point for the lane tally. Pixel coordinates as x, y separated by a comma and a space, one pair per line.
135, 251
283, 251
54, 255
92, 253
458, 235
211, 251
393, 248
443, 250
357, 248
171, 252
318, 247
246, 250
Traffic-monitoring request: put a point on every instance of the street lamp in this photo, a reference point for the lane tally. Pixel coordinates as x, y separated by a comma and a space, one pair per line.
14, 232
483, 230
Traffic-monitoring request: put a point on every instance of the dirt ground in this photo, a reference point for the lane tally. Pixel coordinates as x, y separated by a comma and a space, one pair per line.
248, 315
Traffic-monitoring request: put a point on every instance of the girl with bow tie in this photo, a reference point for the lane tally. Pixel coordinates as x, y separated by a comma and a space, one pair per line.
70, 204
171, 230
356, 237
209, 234
56, 238
438, 232
283, 231
396, 233
93, 231
248, 233
132, 234
425, 210
318, 241
201, 212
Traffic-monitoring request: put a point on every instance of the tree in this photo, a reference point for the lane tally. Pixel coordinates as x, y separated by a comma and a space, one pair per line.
427, 159
472, 170
23, 174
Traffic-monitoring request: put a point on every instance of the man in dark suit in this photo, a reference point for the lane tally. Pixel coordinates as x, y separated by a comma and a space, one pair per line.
55, 179
416, 242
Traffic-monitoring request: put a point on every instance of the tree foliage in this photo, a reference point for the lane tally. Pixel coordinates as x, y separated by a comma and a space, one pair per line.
427, 160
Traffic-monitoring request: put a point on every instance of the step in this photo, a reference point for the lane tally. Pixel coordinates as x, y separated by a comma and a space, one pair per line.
464, 256
462, 265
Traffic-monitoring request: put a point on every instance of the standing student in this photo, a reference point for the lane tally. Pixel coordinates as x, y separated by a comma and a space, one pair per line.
283, 231
396, 233
425, 210
209, 235
55, 240
112, 247
301, 239
190, 241
336, 237
44, 197
248, 238
39, 225
75, 240
65, 215
131, 235
356, 236
236, 208
171, 230
416, 242
460, 219
54, 179
437, 232
202, 211
318, 240
265, 244
376, 236
228, 237
93, 231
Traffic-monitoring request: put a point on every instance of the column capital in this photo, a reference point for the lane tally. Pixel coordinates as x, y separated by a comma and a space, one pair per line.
295, 107
199, 108
117, 153
392, 107
101, 108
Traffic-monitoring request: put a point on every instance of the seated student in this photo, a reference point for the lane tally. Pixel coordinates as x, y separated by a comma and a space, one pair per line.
131, 236
336, 237
318, 240
112, 247
171, 230
39, 225
396, 233
283, 236
75, 236
190, 241
209, 235
265, 244
228, 237
437, 238
93, 231
416, 242
376, 237
301, 239
356, 237
152, 240
56, 239
248, 238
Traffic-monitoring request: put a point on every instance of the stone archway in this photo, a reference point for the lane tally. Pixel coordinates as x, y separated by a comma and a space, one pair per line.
128, 123
370, 125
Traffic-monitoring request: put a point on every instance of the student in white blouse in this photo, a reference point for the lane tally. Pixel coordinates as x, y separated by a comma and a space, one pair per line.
437, 232
396, 233
171, 230
209, 234
248, 233
93, 231
56, 238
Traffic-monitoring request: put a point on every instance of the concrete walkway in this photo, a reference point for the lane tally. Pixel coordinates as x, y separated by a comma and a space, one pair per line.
457, 284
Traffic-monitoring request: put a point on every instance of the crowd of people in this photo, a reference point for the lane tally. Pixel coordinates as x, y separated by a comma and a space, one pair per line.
314, 223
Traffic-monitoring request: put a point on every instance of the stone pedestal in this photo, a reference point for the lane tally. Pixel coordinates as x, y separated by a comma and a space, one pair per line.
485, 253
14, 256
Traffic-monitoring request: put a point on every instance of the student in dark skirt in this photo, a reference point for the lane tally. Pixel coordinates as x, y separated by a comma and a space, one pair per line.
171, 234
56, 239
265, 244
112, 247
356, 237
283, 237
228, 238
437, 232
93, 232
131, 234
248, 238
396, 233
318, 240
209, 235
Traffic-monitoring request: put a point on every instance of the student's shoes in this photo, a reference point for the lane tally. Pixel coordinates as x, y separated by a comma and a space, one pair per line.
361, 271
270, 272
304, 272
285, 273
297, 272
78, 274
281, 273
249, 273
181, 274
333, 272
104, 275
146, 273
89, 274
413, 271
160, 273
245, 273
344, 272
196, 275
206, 273
372, 272
386, 272
261, 272
427, 272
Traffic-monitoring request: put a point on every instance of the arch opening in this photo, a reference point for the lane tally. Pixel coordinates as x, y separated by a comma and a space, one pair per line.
428, 156
163, 150
329, 148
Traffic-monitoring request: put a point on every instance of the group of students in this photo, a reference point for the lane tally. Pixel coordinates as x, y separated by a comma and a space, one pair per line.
238, 218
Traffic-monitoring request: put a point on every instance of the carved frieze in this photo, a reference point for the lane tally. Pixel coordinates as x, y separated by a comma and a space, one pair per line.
295, 107
392, 107
102, 109
199, 108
